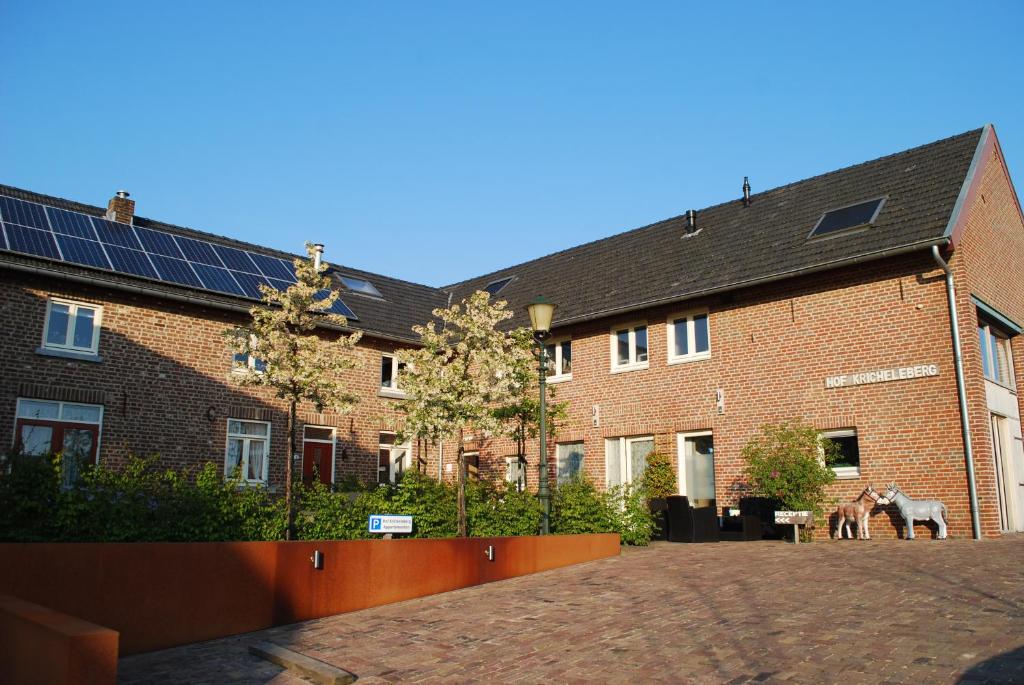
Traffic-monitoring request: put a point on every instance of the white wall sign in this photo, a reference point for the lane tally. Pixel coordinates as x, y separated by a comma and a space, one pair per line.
900, 373
390, 523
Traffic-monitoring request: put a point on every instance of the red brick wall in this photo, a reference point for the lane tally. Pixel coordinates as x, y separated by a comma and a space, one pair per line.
164, 366
771, 350
989, 264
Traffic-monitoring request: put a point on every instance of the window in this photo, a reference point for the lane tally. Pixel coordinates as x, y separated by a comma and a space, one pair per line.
390, 371
515, 472
629, 347
996, 358
689, 337
495, 287
243, 362
472, 465
626, 459
248, 450
45, 427
847, 464
393, 458
569, 458
363, 287
559, 360
851, 216
697, 467
72, 327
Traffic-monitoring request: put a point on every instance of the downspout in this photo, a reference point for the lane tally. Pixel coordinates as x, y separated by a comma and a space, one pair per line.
440, 461
961, 391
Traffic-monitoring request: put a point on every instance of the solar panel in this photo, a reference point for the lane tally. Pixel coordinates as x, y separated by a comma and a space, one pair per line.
360, 285
157, 242
250, 284
113, 233
236, 259
215, 278
175, 270
81, 251
71, 223
272, 267
62, 235
198, 251
32, 241
24, 213
860, 214
131, 262
338, 307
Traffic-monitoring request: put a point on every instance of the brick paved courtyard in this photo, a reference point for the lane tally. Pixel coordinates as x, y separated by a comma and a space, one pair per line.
829, 612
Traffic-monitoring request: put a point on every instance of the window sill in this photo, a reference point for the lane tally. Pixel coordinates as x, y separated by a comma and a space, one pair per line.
689, 358
392, 394
847, 472
1002, 385
630, 367
559, 379
70, 354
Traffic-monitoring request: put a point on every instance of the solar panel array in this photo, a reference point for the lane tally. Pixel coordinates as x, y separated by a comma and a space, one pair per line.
63, 236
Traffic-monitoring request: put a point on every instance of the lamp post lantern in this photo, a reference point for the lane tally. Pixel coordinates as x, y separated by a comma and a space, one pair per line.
541, 311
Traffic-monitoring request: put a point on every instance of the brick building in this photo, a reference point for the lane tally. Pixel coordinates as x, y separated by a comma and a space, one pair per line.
825, 299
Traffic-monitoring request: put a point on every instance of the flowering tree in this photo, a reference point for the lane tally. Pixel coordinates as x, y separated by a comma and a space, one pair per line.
464, 369
520, 414
293, 360
789, 461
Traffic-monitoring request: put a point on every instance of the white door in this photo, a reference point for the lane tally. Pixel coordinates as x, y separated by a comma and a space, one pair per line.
696, 466
626, 459
1018, 489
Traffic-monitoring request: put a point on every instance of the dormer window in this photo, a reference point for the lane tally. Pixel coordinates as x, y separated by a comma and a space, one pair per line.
858, 215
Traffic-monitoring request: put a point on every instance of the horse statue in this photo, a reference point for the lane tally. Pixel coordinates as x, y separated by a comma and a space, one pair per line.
916, 510
857, 512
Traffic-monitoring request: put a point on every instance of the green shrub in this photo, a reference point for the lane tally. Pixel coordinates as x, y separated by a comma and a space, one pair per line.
492, 512
785, 461
579, 507
659, 479
634, 521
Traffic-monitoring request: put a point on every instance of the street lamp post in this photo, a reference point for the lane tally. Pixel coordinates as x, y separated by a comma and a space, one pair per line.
541, 311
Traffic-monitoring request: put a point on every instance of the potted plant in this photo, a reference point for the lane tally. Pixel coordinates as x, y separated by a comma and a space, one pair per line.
659, 481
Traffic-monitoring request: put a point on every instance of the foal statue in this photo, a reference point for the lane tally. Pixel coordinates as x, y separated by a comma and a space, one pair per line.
857, 512
916, 510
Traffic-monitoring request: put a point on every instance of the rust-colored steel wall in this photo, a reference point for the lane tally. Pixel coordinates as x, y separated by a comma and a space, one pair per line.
42, 646
159, 595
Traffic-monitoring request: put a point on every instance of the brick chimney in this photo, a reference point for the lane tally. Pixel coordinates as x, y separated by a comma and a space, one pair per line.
120, 208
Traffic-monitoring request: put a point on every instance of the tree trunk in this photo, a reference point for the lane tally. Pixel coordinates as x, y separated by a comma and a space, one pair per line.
461, 493
288, 468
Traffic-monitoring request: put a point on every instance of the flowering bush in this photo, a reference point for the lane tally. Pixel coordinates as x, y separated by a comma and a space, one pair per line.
789, 462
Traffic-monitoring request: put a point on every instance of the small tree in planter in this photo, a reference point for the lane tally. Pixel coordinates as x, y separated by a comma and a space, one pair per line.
789, 462
659, 481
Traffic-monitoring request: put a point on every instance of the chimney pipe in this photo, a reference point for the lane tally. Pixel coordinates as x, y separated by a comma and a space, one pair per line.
120, 208
318, 253
691, 221
746, 191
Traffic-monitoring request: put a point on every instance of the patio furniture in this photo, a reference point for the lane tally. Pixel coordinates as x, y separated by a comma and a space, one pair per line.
764, 509
741, 528
691, 524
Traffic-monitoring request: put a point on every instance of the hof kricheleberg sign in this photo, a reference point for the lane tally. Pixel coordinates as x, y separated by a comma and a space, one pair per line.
899, 373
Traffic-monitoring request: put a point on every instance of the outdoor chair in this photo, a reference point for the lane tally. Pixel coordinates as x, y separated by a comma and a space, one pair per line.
742, 528
691, 524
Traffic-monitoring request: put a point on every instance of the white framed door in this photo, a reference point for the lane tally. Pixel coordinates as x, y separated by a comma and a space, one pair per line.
394, 458
696, 466
626, 458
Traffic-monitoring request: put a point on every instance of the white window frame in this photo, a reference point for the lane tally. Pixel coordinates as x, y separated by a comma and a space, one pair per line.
558, 460
243, 462
556, 364
625, 458
681, 439
238, 366
73, 307
613, 347
394, 390
842, 472
990, 356
392, 474
509, 463
691, 337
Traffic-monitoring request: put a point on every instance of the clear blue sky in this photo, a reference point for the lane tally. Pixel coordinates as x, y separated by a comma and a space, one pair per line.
435, 141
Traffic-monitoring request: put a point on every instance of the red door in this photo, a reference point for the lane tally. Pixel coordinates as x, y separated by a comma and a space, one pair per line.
316, 456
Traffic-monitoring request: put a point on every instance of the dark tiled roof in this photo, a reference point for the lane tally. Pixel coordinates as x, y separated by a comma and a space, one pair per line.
740, 245
403, 305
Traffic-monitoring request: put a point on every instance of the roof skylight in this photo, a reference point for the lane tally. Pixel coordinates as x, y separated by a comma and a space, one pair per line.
494, 287
851, 216
358, 285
